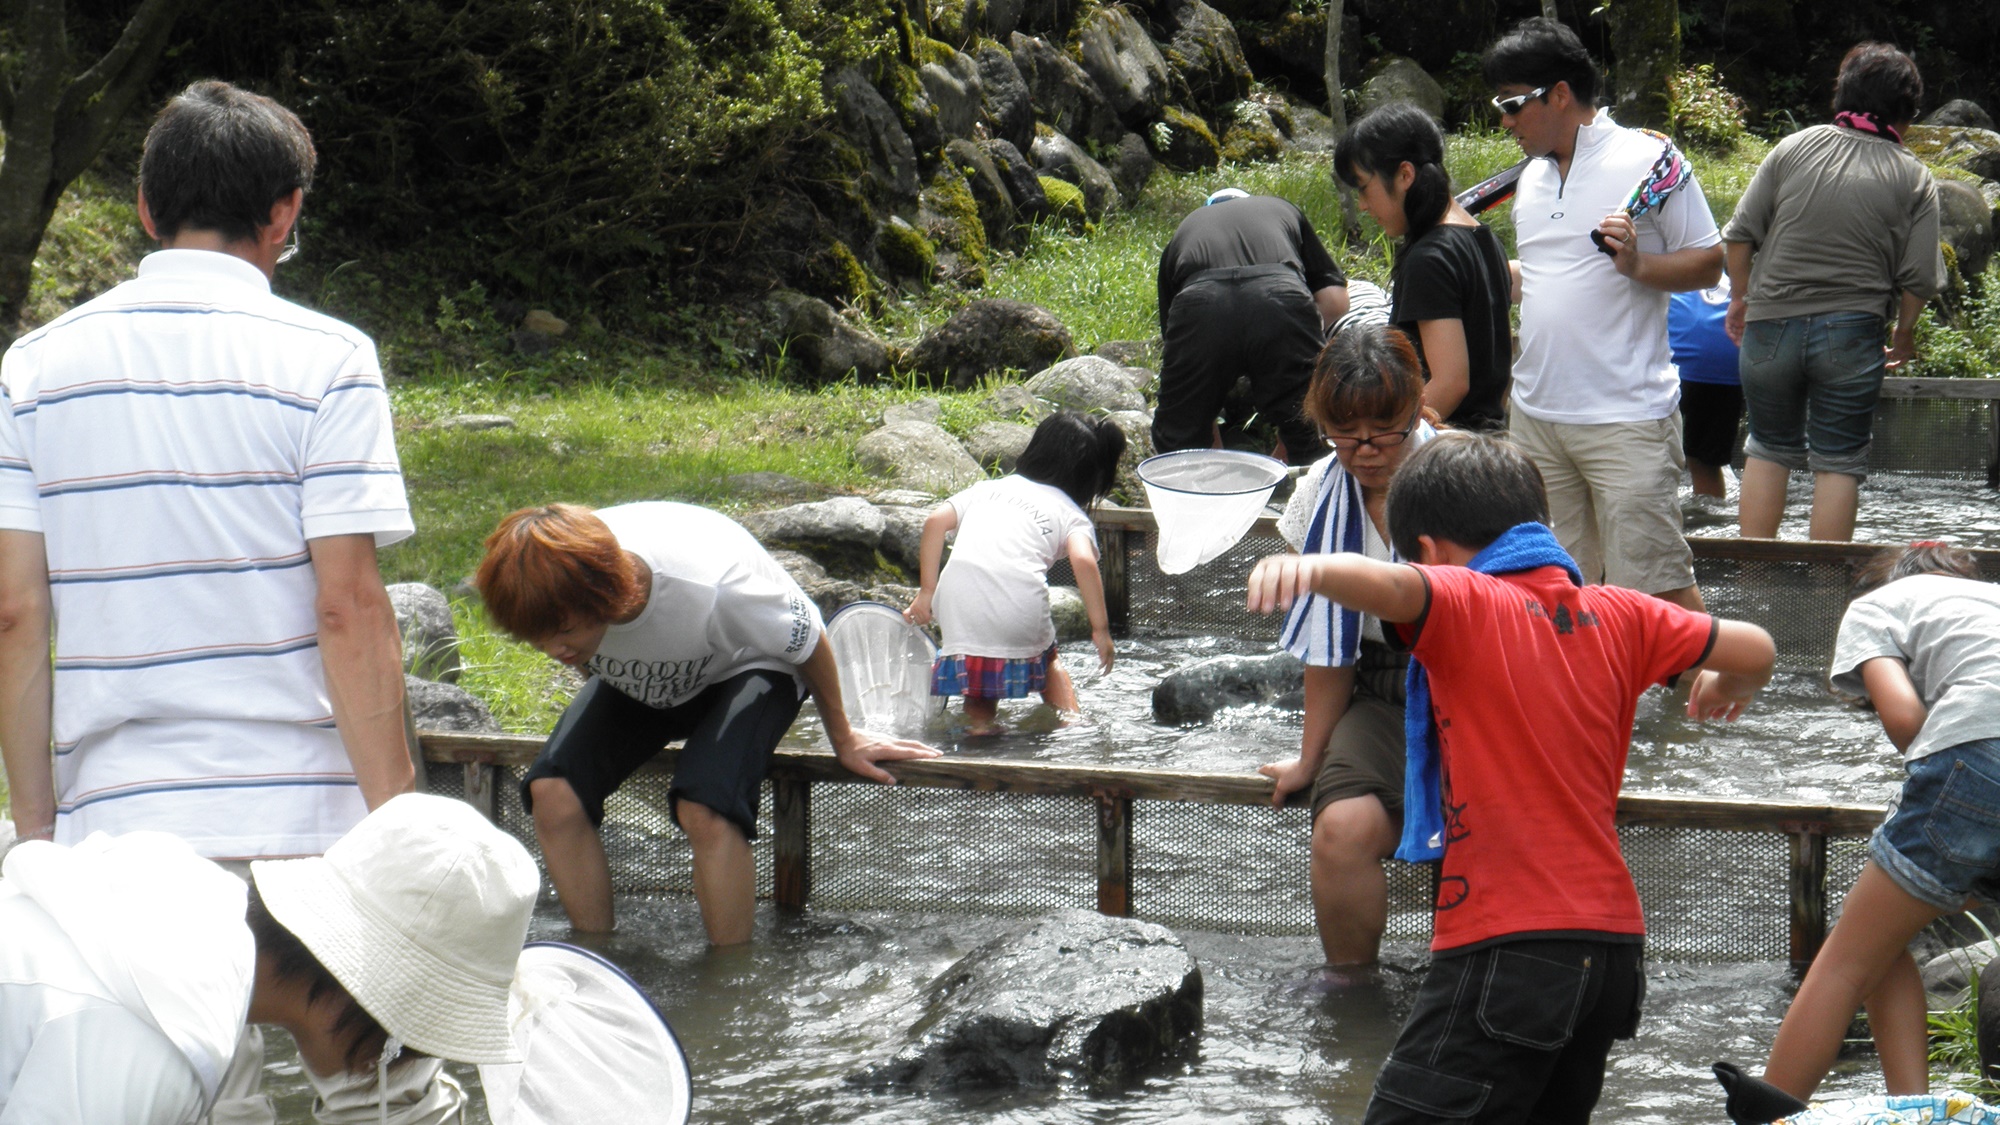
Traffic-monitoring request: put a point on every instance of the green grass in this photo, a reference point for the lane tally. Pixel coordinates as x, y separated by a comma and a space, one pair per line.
525, 690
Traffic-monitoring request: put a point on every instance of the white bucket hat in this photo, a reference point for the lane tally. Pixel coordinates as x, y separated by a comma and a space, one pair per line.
420, 913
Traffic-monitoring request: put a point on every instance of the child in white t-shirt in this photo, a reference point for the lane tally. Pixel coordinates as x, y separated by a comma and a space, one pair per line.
1923, 647
992, 600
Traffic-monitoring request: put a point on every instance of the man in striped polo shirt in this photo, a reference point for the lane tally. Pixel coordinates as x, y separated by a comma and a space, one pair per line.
206, 471
195, 475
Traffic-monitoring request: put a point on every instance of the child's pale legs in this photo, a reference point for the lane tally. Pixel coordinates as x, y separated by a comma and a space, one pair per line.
1864, 960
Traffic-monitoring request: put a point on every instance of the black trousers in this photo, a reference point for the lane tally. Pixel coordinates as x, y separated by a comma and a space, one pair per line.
1258, 321
1514, 1032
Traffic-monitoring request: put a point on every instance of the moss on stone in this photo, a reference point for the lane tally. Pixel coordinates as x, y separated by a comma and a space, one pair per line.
1065, 199
905, 251
951, 197
933, 51
841, 275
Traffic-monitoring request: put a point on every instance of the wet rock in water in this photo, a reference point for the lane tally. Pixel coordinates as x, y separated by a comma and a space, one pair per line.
430, 639
1087, 383
916, 455
1079, 997
447, 707
1196, 692
844, 521
988, 336
1066, 608
1960, 113
998, 445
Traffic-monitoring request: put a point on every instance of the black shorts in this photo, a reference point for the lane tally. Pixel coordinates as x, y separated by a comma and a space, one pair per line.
1710, 415
1517, 1031
731, 730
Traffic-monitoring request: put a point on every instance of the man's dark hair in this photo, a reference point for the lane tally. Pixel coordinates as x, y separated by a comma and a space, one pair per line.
1380, 143
360, 1036
1076, 453
1466, 487
1541, 52
1879, 79
218, 157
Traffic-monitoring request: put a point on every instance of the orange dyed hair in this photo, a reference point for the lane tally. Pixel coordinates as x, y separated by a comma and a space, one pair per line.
550, 567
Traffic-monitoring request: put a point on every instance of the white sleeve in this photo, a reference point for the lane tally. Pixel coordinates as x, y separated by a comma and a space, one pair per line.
761, 613
1873, 626
353, 482
1684, 220
103, 1066
20, 502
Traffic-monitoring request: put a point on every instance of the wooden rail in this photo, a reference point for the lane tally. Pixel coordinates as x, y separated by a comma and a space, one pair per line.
1113, 789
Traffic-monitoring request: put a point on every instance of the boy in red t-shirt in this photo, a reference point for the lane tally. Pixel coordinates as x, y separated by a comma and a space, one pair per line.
1533, 679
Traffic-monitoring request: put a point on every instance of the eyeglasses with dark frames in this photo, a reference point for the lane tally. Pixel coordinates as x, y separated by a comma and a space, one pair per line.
1389, 440
1510, 106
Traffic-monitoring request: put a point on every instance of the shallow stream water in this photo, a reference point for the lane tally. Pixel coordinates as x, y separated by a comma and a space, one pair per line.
772, 1030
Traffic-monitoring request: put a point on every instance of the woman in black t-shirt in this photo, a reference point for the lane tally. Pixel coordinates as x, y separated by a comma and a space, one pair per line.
1451, 287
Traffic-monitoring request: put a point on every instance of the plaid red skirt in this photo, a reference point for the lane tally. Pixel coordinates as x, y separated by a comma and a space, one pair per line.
991, 677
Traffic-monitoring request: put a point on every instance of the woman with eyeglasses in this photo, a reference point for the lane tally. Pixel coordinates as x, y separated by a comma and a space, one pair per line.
1367, 397
1451, 288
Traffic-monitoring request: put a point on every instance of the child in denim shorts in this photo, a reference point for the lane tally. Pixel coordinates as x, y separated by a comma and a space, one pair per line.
1922, 645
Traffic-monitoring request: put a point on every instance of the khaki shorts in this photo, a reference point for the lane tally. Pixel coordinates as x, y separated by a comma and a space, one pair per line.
1364, 758
1614, 497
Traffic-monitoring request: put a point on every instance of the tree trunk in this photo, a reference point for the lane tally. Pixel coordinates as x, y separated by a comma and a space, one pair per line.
56, 116
1350, 212
1646, 44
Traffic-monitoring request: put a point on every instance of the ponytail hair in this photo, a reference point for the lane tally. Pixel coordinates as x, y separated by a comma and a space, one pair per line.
1382, 142
1925, 556
1076, 453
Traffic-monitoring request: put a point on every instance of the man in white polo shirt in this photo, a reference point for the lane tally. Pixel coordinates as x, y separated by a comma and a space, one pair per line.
195, 475
1595, 388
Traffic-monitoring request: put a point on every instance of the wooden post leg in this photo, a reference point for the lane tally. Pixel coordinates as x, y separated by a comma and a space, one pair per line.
1993, 443
1114, 565
1114, 854
482, 789
421, 783
791, 842
1808, 891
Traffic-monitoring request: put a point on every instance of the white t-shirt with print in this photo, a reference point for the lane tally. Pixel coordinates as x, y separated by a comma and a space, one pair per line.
993, 597
720, 606
1948, 630
1594, 342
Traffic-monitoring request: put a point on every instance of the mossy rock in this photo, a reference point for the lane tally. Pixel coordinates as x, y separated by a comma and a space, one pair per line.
839, 274
1065, 200
933, 51
951, 218
905, 251
1183, 141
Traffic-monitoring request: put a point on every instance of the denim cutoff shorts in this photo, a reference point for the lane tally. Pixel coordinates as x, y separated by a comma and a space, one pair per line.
1941, 840
1810, 384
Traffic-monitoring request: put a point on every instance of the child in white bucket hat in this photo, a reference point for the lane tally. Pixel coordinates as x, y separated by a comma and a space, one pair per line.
405, 934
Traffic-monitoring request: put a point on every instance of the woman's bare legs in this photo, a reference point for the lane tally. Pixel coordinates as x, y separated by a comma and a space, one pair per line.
1760, 502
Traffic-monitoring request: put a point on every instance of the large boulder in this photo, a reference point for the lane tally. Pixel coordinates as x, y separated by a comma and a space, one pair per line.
998, 445
1024, 186
914, 455
903, 536
844, 521
1204, 53
774, 486
1395, 78
1058, 156
1249, 133
1183, 141
1070, 615
446, 707
827, 592
1306, 129
1063, 93
1959, 113
1009, 108
1137, 426
990, 336
1194, 693
1131, 165
430, 639
989, 190
1948, 975
820, 345
871, 123
1087, 383
1965, 222
1975, 150
953, 87
1012, 400
1078, 998
1124, 62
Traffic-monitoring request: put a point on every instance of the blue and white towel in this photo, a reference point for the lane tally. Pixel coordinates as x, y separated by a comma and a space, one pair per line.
1318, 631
1525, 546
